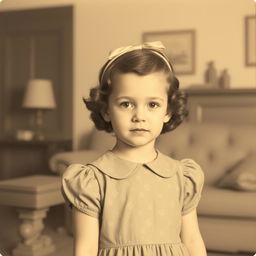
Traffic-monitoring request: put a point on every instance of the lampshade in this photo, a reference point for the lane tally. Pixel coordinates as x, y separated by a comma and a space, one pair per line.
39, 94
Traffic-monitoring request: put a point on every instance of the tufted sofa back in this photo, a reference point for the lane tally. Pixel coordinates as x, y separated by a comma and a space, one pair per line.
215, 147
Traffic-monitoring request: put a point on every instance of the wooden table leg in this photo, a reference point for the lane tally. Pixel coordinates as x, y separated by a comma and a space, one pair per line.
33, 242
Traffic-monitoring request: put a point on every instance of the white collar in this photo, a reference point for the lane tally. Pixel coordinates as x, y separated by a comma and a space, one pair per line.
118, 168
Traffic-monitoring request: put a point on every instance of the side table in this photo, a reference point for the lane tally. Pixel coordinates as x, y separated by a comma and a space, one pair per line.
32, 196
14, 162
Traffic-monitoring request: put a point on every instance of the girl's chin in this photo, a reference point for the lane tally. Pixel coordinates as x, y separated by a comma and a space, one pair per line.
135, 143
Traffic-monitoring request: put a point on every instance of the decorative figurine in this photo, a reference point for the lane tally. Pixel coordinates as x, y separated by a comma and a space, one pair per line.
224, 80
211, 75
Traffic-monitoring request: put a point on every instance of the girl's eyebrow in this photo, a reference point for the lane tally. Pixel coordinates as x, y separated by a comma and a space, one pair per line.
131, 98
156, 98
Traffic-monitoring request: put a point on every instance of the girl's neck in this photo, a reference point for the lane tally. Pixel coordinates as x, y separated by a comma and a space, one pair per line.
136, 154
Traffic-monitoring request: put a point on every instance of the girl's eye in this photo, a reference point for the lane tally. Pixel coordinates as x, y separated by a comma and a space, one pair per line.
154, 104
126, 104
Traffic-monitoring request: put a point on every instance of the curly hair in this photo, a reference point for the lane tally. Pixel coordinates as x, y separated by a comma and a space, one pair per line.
141, 62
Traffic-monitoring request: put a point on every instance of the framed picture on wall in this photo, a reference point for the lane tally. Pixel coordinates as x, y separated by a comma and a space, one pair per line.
250, 41
180, 48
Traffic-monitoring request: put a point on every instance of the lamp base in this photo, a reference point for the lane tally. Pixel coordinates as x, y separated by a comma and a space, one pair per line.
38, 125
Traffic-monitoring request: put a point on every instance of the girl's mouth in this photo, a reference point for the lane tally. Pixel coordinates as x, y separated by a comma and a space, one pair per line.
139, 130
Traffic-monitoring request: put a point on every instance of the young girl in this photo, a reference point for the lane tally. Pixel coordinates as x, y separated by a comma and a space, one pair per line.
134, 200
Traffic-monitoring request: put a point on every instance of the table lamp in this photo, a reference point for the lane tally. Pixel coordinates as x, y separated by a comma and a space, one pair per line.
39, 96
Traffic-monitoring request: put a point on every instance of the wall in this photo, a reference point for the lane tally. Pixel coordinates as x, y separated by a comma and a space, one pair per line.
104, 25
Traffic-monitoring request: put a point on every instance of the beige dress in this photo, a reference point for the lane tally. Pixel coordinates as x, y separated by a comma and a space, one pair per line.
139, 205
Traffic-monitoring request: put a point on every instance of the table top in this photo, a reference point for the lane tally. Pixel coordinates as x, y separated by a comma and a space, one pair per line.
32, 184
13, 141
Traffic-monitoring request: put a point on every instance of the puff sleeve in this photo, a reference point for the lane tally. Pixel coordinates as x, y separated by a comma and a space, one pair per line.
193, 180
80, 188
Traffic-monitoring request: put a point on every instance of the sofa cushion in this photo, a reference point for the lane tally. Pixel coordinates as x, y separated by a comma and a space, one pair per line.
225, 202
242, 176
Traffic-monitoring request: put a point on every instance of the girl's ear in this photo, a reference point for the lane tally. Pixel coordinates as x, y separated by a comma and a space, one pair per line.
105, 115
167, 117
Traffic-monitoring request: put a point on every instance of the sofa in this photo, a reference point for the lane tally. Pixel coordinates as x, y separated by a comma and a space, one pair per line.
227, 210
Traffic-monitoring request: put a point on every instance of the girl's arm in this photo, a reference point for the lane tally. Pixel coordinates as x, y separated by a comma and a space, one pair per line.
86, 234
191, 236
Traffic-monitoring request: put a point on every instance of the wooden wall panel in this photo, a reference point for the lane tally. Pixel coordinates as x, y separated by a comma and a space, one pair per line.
16, 72
47, 33
48, 62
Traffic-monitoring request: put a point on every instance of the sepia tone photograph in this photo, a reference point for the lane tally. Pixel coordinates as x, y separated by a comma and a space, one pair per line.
127, 128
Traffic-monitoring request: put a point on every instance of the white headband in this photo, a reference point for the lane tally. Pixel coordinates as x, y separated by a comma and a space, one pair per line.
157, 47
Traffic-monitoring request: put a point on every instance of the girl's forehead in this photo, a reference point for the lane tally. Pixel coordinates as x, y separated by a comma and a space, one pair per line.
132, 83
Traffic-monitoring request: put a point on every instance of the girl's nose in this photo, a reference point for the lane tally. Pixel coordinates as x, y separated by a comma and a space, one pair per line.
139, 115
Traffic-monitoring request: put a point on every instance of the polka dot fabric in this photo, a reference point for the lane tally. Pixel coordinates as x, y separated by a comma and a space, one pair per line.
140, 205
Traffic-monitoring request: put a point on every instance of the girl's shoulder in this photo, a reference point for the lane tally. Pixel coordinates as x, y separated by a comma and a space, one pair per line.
81, 188
191, 169
190, 174
91, 168
192, 182
83, 175
169, 166
78, 170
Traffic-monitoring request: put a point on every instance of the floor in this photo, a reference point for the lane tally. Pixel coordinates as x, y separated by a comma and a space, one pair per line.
54, 227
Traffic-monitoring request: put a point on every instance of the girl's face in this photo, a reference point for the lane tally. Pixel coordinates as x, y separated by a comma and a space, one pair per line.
137, 108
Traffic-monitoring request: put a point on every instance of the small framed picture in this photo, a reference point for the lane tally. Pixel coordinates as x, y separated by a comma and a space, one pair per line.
180, 48
250, 41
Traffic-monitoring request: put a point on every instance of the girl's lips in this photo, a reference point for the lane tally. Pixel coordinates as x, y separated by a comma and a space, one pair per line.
139, 130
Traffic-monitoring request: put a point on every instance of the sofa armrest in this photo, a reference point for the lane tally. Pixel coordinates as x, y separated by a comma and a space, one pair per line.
60, 161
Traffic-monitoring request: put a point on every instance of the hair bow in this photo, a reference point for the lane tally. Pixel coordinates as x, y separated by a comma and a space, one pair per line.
156, 45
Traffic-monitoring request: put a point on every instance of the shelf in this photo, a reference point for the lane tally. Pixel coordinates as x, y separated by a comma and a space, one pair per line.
212, 91
15, 142
229, 106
